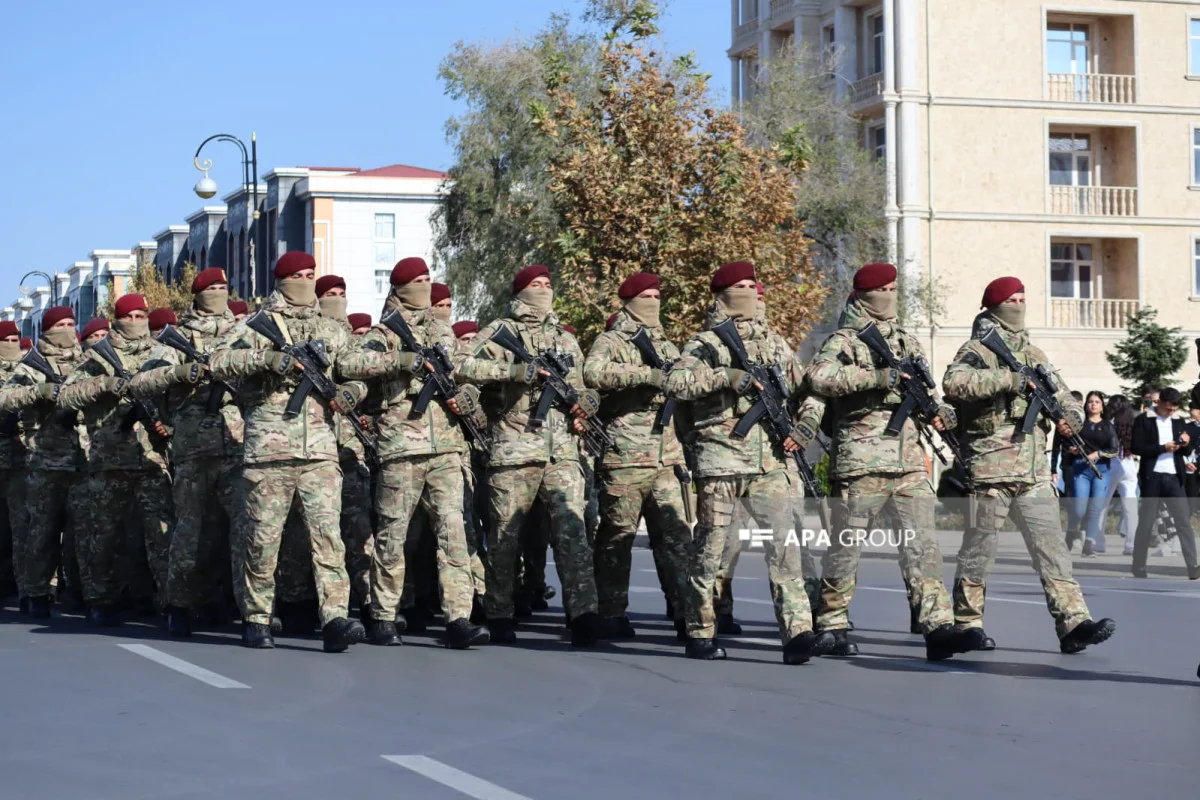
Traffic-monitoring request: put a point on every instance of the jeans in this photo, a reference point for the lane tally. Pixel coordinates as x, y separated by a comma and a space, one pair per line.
1122, 480
1074, 521
1089, 498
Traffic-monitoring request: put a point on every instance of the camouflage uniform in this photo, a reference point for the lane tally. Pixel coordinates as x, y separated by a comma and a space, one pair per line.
873, 472
206, 454
1011, 476
474, 499
637, 475
525, 465
753, 471
14, 515
357, 484
286, 458
128, 481
421, 465
54, 461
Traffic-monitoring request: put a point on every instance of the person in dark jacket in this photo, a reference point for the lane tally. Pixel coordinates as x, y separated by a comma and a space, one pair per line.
1090, 496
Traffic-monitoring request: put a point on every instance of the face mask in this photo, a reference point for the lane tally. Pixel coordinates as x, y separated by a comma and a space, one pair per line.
539, 300
298, 292
644, 311
10, 351
739, 303
212, 302
333, 307
413, 296
442, 313
1010, 315
880, 305
132, 329
62, 338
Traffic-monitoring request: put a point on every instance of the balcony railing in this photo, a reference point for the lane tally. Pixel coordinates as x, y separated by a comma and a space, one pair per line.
1091, 88
1094, 201
1092, 313
745, 29
867, 88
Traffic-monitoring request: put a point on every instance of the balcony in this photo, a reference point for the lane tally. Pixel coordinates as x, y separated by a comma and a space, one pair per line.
1090, 58
1097, 314
1092, 171
745, 29
780, 8
1065, 87
865, 90
1094, 201
1094, 282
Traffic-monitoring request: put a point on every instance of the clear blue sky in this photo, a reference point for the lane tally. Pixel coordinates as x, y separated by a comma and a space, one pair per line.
105, 103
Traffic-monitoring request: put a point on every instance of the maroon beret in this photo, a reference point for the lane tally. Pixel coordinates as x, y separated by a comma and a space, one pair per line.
100, 324
608, 323
1000, 290
872, 276
161, 318
293, 262
129, 303
238, 307
461, 329
526, 276
636, 284
408, 270
327, 282
761, 291
438, 292
731, 273
357, 321
9, 328
56, 314
26, 343
207, 277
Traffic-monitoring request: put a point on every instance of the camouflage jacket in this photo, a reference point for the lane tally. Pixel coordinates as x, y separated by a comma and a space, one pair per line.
197, 434
700, 376
631, 397
509, 402
350, 448
112, 445
12, 451
51, 435
991, 407
846, 373
263, 394
401, 435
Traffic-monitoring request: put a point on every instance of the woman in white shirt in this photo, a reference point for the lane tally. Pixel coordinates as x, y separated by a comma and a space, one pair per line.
1123, 476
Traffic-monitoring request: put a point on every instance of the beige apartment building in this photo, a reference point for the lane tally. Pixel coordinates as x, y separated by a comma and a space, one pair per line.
1055, 141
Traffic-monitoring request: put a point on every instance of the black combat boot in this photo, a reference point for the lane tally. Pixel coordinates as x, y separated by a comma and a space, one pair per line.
1087, 632
503, 631
461, 634
179, 622
946, 640
414, 620
842, 646
39, 607
986, 642
618, 628
105, 616
586, 629
382, 633
257, 636
670, 614
804, 646
478, 611
726, 625
914, 619
704, 649
340, 633
681, 630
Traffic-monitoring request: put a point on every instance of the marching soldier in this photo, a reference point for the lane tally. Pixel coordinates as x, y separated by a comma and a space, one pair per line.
640, 473
876, 472
13, 518
239, 309
474, 496
206, 453
1010, 473
94, 331
752, 470
441, 305
360, 324
534, 462
161, 318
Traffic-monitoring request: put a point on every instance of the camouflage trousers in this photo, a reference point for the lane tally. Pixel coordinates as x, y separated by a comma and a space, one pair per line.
475, 507
534, 540
1034, 509
768, 499
270, 489
357, 527
591, 507
626, 495
906, 500
294, 572
209, 518
434, 483
130, 514
14, 528
511, 494
54, 513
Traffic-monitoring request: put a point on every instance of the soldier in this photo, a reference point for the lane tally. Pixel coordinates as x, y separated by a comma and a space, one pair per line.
331, 296
94, 331
127, 466
1009, 469
54, 459
206, 453
421, 456
752, 470
239, 309
12, 526
474, 496
876, 473
290, 456
161, 318
439, 297
529, 462
360, 324
638, 475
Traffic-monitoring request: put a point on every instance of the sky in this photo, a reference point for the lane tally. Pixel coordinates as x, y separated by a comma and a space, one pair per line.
104, 104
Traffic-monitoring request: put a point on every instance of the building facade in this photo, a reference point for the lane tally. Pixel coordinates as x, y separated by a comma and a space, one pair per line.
1057, 141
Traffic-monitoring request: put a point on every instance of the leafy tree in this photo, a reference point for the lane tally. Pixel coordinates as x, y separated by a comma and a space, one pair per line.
1149, 354
147, 282
646, 175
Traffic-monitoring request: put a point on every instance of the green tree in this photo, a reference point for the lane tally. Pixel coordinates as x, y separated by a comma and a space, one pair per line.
159, 293
1149, 354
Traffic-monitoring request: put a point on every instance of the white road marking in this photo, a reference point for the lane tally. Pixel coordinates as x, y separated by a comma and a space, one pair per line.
179, 665
454, 778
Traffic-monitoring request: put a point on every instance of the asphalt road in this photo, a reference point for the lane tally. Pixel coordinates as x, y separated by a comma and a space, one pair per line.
91, 715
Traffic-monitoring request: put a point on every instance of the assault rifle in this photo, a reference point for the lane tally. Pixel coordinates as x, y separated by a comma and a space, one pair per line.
171, 337
146, 410
641, 340
313, 362
35, 360
1040, 390
556, 389
437, 380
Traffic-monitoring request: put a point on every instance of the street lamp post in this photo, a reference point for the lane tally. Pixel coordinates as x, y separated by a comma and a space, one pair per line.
53, 284
206, 187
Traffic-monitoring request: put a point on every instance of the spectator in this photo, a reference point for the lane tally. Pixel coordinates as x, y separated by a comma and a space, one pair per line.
1122, 475
1150, 400
1061, 464
1091, 490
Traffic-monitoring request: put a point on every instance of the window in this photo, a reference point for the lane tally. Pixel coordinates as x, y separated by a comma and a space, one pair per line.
876, 29
1068, 48
385, 239
385, 226
1071, 270
1194, 46
383, 281
1070, 159
877, 142
829, 37
1196, 267
1196, 156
